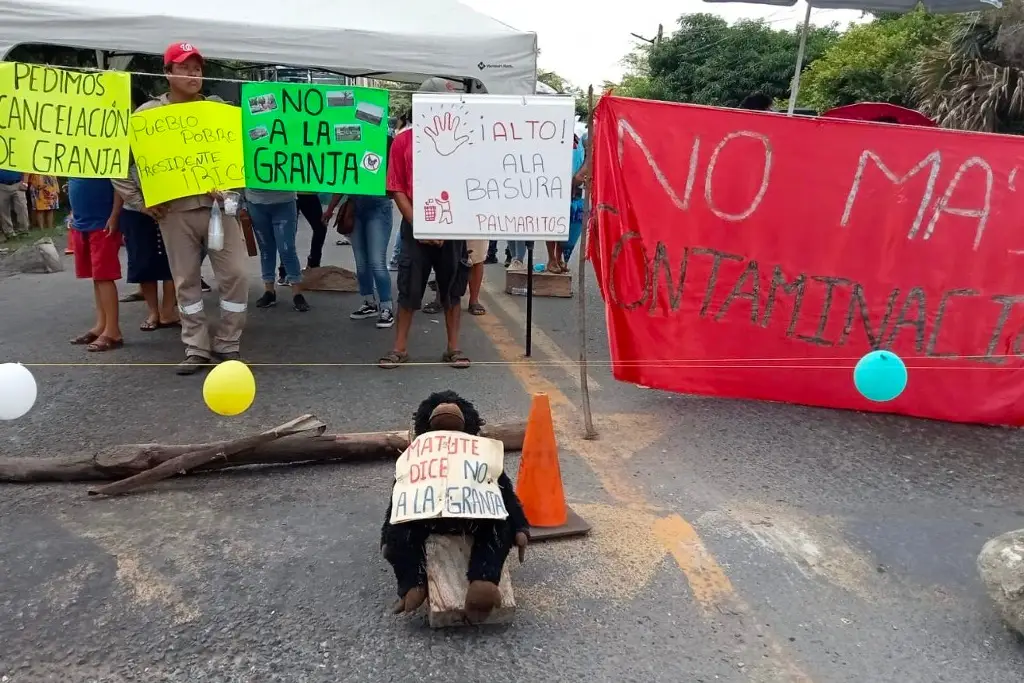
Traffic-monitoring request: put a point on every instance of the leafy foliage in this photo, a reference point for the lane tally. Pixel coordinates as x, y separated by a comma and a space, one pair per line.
709, 61
975, 81
553, 80
874, 62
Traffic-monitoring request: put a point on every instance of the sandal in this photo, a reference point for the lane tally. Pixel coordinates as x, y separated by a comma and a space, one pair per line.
393, 360
150, 325
104, 344
87, 338
131, 298
456, 359
477, 309
433, 308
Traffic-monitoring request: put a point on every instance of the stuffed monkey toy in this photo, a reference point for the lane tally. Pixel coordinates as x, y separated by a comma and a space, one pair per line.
404, 545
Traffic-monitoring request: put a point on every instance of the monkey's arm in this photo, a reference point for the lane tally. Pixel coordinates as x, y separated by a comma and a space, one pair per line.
516, 515
387, 521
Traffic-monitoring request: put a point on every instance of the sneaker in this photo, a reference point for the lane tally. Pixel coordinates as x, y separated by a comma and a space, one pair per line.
367, 310
267, 300
342, 242
205, 287
299, 303
516, 264
386, 318
491, 258
393, 266
191, 365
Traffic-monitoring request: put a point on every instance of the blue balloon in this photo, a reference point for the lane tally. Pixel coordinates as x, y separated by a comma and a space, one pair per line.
880, 376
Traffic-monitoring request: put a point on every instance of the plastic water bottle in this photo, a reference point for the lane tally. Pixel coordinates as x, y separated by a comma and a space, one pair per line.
215, 236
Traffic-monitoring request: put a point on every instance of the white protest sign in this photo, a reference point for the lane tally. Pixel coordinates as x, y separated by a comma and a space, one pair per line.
492, 166
448, 474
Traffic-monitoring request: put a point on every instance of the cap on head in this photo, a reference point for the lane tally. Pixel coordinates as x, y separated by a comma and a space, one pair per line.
448, 417
437, 84
177, 53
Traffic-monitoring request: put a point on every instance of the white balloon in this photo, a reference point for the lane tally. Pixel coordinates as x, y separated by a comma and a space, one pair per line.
17, 391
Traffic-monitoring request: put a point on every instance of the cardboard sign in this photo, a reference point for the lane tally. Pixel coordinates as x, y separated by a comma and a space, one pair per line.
182, 150
488, 166
64, 123
315, 138
449, 474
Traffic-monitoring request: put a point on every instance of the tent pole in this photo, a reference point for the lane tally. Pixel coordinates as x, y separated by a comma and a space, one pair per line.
795, 89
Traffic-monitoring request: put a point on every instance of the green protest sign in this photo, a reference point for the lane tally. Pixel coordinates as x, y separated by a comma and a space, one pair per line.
315, 138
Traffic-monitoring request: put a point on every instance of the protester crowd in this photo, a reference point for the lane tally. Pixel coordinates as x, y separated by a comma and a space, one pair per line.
166, 245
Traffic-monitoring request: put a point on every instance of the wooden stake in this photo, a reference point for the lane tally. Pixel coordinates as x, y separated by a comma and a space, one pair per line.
589, 432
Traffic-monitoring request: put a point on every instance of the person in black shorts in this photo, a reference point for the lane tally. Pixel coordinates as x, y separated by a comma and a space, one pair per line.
448, 259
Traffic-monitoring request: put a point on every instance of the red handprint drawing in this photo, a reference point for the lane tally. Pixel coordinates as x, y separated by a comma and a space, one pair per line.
445, 133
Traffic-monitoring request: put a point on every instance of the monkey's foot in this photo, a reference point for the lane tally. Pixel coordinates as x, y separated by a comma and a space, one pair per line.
481, 598
412, 600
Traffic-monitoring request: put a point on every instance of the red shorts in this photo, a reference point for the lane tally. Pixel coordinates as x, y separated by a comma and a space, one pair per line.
97, 254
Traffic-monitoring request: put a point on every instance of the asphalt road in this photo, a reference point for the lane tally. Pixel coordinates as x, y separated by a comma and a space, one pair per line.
733, 541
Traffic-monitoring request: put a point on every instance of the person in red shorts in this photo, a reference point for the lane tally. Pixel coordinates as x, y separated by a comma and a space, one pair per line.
95, 240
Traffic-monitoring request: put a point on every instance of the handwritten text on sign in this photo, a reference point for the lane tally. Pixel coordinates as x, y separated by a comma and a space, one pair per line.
492, 166
66, 123
315, 138
716, 237
183, 150
449, 474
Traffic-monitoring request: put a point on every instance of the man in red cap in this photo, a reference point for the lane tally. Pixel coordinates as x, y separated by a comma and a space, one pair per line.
184, 225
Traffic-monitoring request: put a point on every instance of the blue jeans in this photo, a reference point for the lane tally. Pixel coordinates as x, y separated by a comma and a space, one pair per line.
519, 249
274, 226
370, 246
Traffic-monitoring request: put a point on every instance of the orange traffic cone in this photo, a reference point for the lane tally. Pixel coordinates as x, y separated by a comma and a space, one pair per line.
539, 482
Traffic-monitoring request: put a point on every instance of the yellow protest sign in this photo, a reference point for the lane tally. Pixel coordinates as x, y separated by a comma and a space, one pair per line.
187, 149
66, 123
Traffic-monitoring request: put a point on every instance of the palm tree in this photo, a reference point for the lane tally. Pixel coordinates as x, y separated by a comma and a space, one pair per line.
975, 81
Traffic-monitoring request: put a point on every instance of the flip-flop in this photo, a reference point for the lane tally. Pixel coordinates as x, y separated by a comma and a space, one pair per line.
432, 308
477, 309
393, 360
104, 344
131, 298
456, 359
149, 325
173, 323
82, 339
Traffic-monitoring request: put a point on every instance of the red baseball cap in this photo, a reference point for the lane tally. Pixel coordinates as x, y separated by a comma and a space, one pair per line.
179, 52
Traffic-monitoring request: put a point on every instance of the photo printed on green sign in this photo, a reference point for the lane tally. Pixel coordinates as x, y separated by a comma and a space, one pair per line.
315, 138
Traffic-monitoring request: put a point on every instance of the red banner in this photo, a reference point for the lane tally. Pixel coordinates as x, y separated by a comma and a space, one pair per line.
755, 255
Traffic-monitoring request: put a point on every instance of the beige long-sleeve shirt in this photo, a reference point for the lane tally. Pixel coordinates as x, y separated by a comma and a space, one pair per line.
130, 188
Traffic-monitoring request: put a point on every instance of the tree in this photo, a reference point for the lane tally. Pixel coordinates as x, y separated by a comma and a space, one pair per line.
561, 85
874, 62
975, 80
636, 76
708, 61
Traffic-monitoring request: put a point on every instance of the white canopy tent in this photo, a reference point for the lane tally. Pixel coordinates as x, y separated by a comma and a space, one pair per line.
400, 40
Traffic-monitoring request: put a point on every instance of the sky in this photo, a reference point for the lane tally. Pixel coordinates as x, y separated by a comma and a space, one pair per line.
585, 44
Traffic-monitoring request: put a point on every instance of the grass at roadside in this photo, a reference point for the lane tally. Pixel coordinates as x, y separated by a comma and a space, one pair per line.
58, 234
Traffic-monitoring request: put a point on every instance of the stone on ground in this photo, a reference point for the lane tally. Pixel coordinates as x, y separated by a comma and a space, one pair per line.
1001, 565
40, 257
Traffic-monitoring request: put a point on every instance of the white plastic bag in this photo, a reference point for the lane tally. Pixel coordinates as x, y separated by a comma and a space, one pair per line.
215, 235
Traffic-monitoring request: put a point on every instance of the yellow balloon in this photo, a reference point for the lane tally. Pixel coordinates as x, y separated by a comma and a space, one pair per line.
230, 388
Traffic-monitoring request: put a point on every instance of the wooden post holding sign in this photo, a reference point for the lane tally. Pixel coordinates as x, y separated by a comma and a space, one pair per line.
493, 167
451, 475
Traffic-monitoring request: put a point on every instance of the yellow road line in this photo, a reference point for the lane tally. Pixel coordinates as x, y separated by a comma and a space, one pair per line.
710, 586
496, 297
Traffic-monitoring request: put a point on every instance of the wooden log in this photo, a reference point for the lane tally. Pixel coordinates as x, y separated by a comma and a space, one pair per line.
329, 279
188, 461
118, 462
447, 559
544, 283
